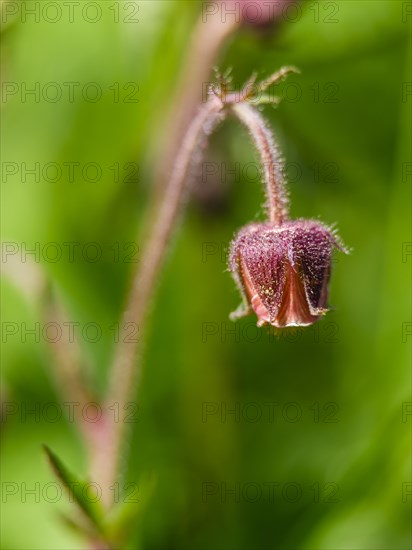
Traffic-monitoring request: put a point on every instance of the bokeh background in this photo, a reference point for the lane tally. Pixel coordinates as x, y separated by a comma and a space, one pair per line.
321, 415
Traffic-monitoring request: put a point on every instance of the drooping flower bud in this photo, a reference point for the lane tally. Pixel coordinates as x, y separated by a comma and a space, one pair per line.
283, 271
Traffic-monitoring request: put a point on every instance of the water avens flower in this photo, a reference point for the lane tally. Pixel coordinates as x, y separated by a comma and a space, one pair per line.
281, 266
283, 271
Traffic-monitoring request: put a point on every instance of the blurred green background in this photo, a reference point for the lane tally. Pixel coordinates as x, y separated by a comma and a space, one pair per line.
336, 447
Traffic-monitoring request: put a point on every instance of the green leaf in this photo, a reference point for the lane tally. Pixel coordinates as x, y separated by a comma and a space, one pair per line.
75, 487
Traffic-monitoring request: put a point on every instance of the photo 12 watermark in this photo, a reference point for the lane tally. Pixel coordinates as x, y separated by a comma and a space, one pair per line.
52, 412
70, 11
267, 12
269, 492
69, 92
269, 412
70, 171
69, 332
293, 172
70, 252
289, 92
52, 492
326, 332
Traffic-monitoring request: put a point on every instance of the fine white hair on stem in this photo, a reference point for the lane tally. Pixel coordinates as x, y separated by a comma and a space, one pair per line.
271, 158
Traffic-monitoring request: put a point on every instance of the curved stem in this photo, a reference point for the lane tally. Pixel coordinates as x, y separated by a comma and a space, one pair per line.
276, 195
126, 372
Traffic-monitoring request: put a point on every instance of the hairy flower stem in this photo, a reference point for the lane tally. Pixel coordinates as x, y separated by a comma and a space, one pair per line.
126, 371
276, 196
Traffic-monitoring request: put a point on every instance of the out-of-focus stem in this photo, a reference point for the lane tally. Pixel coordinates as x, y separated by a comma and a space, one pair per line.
126, 371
